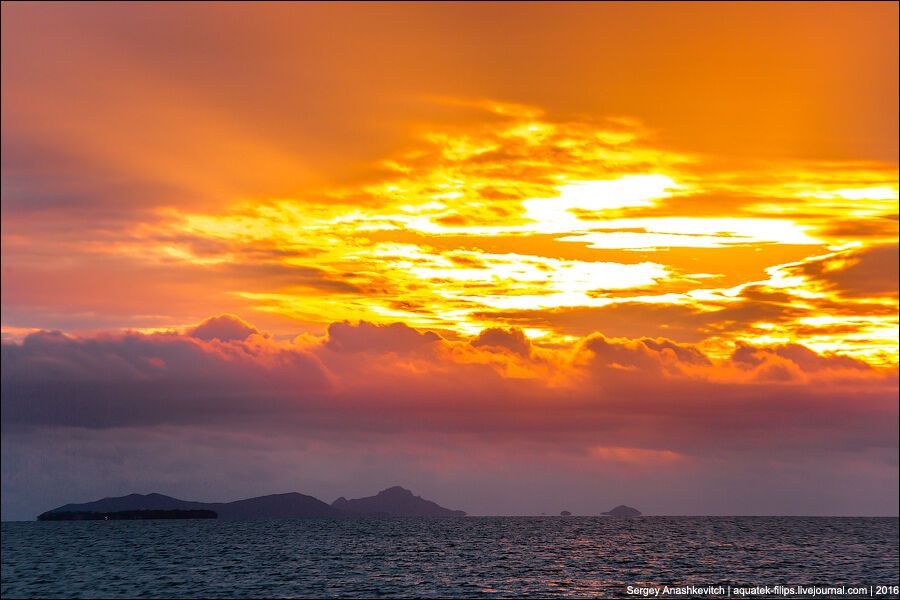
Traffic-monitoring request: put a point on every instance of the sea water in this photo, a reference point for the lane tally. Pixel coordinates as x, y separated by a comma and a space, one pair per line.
458, 558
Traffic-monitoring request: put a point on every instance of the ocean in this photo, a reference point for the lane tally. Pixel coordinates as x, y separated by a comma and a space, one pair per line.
472, 557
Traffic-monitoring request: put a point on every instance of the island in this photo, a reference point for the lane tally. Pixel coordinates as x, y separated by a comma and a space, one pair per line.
623, 511
565, 513
395, 502
391, 502
127, 515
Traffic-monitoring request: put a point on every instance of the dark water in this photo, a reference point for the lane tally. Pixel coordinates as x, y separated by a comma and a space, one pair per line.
470, 557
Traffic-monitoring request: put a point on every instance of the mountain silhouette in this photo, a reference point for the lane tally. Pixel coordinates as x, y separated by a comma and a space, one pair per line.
623, 511
395, 502
132, 502
276, 506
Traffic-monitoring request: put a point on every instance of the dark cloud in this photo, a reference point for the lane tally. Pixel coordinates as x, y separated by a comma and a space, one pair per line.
280, 276
645, 355
417, 380
368, 337
225, 328
622, 319
143, 380
512, 339
857, 229
803, 357
856, 273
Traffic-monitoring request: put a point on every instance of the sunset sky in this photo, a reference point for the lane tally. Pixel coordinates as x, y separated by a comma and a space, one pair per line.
516, 257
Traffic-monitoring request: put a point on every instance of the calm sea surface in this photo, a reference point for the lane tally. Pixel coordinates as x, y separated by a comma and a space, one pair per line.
469, 557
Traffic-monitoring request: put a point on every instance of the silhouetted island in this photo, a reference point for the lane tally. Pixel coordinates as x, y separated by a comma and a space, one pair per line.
565, 513
623, 511
276, 506
393, 502
126, 515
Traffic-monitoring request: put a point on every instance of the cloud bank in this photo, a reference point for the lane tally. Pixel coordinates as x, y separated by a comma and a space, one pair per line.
630, 405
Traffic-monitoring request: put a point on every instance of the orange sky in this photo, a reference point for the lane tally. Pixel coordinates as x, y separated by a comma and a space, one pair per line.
720, 175
284, 160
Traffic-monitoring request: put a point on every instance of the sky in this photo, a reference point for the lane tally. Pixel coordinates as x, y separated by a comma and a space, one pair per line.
516, 257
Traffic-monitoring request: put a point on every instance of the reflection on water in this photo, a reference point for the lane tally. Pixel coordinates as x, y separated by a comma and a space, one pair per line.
468, 557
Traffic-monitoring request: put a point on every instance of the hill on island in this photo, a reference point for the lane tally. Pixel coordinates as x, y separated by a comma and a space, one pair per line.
623, 511
395, 502
277, 506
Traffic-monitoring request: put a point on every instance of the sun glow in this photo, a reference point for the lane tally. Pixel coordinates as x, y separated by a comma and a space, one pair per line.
510, 225
560, 213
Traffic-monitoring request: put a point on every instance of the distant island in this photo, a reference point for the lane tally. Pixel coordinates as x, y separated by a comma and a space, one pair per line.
126, 515
395, 502
392, 502
623, 511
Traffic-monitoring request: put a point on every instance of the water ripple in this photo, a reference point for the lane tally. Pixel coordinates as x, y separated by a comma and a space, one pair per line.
475, 557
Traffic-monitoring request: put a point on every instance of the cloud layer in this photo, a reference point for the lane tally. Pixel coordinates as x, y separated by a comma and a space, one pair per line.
624, 403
